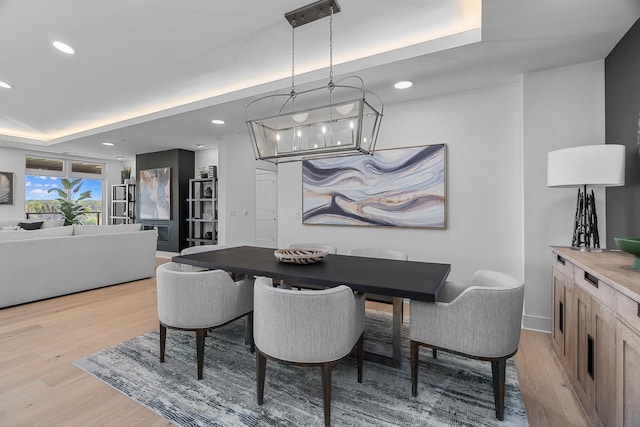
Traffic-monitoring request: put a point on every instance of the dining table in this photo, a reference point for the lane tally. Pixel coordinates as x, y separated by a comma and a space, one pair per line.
399, 279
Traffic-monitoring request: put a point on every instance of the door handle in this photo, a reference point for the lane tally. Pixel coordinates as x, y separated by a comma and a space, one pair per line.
590, 355
561, 317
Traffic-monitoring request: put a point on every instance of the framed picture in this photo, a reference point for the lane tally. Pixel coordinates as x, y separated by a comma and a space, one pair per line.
155, 193
404, 187
6, 188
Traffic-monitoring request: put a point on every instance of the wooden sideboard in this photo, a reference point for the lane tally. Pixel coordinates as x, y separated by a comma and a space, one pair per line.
596, 332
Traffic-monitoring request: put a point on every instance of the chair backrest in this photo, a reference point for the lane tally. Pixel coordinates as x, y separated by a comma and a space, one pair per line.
379, 253
197, 299
331, 248
497, 298
201, 248
303, 326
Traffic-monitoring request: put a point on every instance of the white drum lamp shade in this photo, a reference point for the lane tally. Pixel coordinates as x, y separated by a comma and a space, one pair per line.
594, 165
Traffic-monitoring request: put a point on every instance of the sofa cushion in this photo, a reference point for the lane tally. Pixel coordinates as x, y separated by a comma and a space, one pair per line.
84, 230
50, 223
35, 234
30, 225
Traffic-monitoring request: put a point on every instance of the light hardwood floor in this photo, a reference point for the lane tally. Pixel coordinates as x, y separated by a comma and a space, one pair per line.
40, 387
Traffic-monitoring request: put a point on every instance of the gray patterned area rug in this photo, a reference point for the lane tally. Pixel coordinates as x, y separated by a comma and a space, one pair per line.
453, 391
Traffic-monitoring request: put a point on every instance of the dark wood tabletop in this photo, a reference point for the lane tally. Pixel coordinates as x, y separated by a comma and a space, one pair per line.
419, 281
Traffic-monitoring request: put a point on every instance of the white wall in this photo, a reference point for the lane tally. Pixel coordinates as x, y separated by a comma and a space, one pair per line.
204, 159
236, 174
13, 160
563, 107
482, 130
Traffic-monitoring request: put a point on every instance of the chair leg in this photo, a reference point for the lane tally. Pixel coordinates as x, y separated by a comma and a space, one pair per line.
360, 355
261, 365
163, 341
415, 347
498, 369
326, 392
200, 334
249, 330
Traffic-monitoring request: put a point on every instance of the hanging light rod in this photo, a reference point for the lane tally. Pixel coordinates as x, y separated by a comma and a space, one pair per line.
311, 12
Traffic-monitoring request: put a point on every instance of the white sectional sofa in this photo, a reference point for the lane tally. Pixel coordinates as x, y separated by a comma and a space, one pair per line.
56, 261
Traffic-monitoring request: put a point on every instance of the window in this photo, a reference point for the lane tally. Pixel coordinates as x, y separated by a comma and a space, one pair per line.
43, 174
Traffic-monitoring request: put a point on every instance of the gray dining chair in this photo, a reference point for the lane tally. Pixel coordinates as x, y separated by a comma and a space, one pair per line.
196, 250
312, 328
201, 248
379, 253
480, 319
330, 248
199, 301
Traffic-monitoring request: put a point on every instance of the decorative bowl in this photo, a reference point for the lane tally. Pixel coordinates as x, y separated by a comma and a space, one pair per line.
300, 255
630, 245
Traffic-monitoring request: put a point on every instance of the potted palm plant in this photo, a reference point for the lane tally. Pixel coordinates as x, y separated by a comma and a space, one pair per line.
125, 174
71, 210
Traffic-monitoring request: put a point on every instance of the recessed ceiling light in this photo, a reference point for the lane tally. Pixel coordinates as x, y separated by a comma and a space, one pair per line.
119, 158
63, 47
403, 85
200, 146
5, 85
108, 144
217, 122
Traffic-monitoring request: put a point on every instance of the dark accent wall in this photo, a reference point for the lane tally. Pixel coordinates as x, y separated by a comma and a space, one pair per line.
172, 234
622, 103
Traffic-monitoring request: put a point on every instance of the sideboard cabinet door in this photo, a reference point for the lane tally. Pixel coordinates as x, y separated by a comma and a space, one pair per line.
603, 331
628, 376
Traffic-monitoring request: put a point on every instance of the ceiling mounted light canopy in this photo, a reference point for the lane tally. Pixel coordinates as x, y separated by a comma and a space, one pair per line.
327, 121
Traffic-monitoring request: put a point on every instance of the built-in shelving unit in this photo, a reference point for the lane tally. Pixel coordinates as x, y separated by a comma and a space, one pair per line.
123, 202
203, 211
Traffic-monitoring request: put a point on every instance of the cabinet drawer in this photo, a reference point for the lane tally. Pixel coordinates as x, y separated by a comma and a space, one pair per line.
629, 311
604, 293
562, 264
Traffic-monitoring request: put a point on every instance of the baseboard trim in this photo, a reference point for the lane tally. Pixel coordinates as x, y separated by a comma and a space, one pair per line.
536, 323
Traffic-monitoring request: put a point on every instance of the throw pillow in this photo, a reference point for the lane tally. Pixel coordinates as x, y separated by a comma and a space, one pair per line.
31, 225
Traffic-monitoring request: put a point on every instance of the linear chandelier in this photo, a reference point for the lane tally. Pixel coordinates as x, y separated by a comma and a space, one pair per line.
327, 121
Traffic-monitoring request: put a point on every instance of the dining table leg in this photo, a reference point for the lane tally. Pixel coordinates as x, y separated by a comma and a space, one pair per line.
395, 360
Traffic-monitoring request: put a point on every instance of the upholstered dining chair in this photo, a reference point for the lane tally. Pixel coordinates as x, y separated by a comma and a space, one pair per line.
379, 253
199, 301
330, 248
314, 328
480, 319
201, 248
196, 250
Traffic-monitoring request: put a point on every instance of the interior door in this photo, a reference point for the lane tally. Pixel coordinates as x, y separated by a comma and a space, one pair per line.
266, 231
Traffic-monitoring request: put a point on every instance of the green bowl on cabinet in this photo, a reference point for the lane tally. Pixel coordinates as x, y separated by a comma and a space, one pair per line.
630, 245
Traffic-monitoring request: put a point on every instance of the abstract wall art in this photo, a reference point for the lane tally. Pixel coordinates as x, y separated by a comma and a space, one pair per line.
404, 187
155, 193
6, 188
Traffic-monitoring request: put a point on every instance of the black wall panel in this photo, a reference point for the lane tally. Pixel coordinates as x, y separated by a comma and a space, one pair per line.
172, 233
622, 94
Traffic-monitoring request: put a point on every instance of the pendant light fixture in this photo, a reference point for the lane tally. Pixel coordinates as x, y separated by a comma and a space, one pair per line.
327, 121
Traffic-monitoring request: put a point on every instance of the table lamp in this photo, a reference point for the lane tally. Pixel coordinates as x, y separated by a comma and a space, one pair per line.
594, 165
